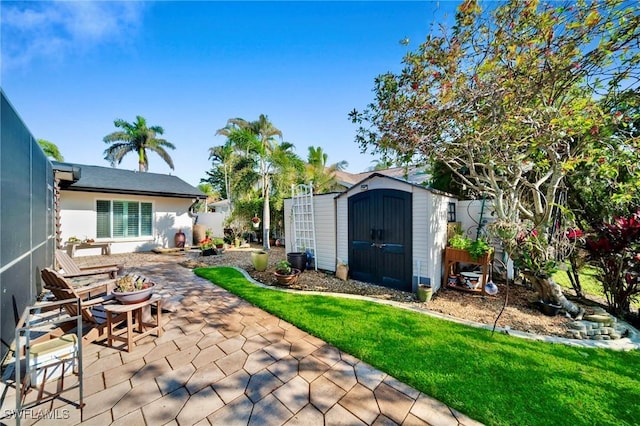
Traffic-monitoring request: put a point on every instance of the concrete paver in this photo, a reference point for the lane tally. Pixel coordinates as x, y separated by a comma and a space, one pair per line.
325, 394
222, 361
393, 403
361, 402
308, 416
294, 394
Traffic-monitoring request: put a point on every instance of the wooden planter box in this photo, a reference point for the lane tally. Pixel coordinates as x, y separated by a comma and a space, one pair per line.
460, 255
453, 256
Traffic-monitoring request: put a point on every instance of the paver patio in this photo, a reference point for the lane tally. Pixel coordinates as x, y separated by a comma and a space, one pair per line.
223, 361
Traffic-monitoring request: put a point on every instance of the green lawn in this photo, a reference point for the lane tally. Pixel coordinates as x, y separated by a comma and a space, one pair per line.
496, 379
590, 284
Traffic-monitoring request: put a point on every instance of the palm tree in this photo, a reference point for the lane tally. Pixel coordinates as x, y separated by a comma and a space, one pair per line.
50, 149
381, 164
223, 156
317, 171
136, 137
260, 139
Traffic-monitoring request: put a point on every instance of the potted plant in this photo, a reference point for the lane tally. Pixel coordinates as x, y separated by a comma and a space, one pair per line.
424, 292
218, 242
459, 241
260, 260
206, 246
298, 260
132, 289
478, 248
255, 221
285, 274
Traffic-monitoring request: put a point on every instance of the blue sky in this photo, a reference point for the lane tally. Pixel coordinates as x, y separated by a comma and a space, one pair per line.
71, 68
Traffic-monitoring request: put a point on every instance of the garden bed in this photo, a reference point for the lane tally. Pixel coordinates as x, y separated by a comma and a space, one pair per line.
518, 315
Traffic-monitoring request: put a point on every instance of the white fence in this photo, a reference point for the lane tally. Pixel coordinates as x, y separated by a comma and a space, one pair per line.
213, 221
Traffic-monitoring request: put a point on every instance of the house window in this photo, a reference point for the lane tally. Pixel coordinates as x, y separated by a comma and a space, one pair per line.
451, 212
123, 219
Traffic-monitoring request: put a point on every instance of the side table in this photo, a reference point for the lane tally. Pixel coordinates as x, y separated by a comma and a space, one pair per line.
134, 316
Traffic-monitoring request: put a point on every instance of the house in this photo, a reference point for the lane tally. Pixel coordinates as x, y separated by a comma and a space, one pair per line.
389, 231
130, 210
411, 174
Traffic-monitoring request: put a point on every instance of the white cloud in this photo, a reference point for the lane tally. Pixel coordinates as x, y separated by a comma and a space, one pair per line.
54, 30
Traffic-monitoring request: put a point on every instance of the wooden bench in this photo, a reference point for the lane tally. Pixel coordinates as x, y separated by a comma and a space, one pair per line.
72, 247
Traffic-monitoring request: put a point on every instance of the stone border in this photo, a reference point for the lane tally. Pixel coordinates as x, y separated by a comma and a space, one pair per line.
624, 344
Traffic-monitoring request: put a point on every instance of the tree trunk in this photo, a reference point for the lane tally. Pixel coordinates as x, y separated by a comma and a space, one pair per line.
550, 292
266, 222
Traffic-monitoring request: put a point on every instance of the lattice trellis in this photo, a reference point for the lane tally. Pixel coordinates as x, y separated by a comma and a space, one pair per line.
304, 235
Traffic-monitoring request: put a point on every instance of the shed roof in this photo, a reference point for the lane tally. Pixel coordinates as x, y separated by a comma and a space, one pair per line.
119, 181
404, 182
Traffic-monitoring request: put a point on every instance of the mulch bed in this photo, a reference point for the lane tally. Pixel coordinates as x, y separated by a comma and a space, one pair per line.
519, 314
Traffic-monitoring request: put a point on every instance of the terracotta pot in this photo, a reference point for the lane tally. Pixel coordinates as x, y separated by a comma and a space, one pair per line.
179, 239
288, 279
199, 232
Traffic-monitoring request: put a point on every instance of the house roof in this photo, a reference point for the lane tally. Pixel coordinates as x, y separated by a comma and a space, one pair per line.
119, 181
373, 175
413, 174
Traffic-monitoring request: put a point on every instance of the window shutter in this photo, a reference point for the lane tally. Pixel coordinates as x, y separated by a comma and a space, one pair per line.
103, 226
118, 219
146, 219
133, 212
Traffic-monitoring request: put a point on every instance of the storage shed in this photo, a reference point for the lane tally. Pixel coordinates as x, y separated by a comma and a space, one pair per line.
390, 232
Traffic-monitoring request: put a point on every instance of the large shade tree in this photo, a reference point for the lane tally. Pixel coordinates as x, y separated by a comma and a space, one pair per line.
604, 193
139, 138
507, 99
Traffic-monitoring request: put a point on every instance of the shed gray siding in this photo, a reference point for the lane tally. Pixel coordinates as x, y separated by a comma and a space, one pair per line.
325, 226
429, 226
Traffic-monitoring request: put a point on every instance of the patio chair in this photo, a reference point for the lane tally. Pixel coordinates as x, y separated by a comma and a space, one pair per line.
45, 356
93, 315
72, 270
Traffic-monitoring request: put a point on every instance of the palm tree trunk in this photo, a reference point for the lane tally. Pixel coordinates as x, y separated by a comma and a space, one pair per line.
141, 166
266, 222
227, 188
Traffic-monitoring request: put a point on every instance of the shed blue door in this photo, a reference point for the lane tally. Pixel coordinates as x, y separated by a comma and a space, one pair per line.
380, 250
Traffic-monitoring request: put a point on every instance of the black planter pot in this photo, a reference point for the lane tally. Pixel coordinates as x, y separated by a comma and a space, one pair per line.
297, 260
549, 309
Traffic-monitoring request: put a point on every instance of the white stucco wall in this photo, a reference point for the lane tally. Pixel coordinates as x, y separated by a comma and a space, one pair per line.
214, 221
471, 214
468, 213
78, 218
